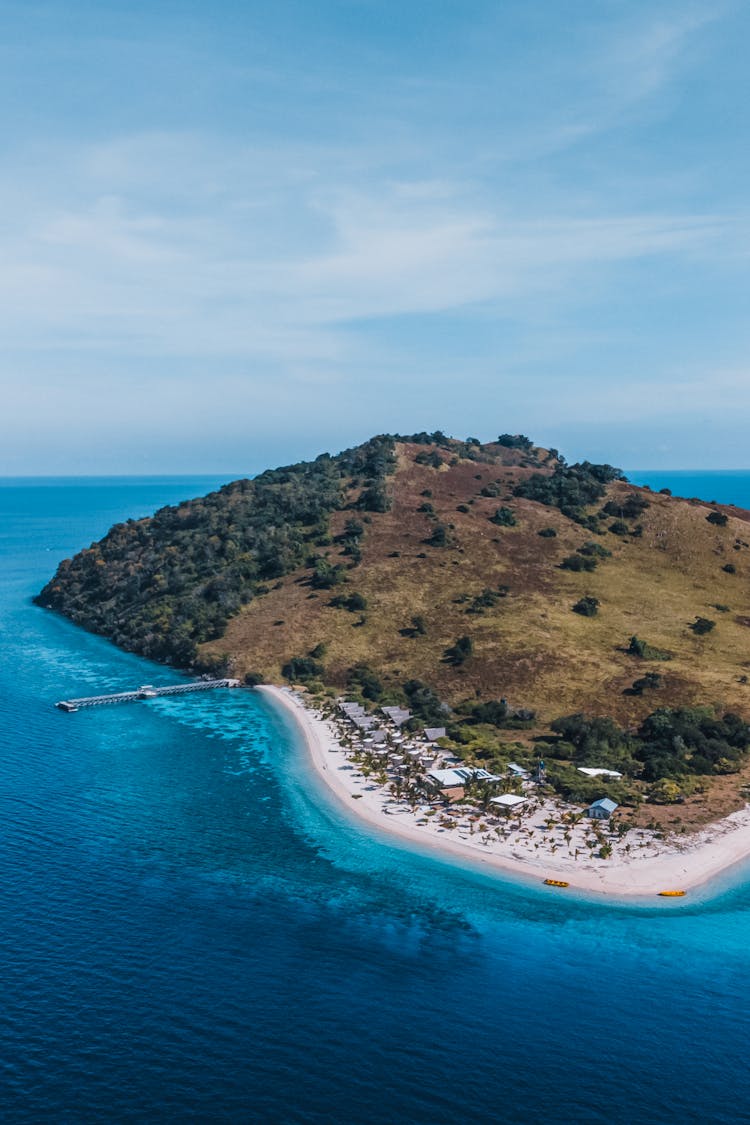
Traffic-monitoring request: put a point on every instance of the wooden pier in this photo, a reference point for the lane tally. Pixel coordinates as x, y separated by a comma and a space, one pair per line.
145, 692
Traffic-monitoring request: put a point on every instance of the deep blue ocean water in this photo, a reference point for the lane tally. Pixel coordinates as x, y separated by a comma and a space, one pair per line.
726, 486
191, 930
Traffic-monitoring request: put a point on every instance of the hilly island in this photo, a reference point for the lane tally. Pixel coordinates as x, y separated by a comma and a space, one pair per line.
531, 607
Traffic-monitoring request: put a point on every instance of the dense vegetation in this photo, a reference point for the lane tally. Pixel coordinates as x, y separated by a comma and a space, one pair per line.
161, 586
571, 488
671, 743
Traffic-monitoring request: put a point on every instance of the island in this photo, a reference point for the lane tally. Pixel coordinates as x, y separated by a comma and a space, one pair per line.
515, 656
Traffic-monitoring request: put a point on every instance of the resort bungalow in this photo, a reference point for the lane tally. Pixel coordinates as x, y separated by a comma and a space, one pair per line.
432, 734
362, 722
592, 771
397, 715
508, 801
458, 776
517, 771
350, 708
602, 809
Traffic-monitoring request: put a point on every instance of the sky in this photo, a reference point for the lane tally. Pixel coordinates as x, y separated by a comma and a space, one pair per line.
235, 234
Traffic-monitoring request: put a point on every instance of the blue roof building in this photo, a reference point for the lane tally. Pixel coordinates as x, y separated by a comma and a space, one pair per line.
602, 809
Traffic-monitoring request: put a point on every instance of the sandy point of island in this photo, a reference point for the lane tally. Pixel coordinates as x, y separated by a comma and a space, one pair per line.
686, 865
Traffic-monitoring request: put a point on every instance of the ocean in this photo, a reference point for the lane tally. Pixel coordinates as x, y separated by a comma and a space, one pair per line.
192, 931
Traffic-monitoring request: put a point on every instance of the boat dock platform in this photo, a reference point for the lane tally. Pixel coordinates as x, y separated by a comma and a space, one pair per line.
145, 692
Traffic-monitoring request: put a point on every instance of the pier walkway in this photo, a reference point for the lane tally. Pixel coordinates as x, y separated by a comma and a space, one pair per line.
145, 692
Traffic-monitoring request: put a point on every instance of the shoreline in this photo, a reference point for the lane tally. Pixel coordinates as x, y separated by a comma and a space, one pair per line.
685, 865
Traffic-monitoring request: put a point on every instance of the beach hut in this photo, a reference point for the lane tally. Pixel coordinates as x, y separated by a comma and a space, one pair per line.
597, 771
508, 801
602, 809
447, 778
432, 734
397, 715
517, 771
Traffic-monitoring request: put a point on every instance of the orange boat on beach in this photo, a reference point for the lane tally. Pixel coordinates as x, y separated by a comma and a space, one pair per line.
556, 883
671, 894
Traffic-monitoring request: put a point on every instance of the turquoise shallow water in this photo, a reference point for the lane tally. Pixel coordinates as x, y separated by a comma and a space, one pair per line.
192, 930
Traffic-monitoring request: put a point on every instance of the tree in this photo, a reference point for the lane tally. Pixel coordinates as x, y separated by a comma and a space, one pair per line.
587, 607
439, 537
302, 668
459, 652
665, 792
494, 712
628, 507
516, 441
642, 649
702, 625
504, 517
368, 682
717, 518
326, 575
650, 681
578, 563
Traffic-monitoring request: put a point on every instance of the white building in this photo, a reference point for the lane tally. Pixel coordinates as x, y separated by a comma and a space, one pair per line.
508, 801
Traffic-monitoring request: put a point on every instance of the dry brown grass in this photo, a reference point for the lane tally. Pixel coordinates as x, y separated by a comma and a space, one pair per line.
530, 648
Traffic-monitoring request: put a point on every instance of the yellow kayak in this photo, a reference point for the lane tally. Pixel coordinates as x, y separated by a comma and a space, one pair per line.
671, 894
556, 883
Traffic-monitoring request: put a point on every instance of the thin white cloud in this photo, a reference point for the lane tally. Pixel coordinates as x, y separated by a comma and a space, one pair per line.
101, 270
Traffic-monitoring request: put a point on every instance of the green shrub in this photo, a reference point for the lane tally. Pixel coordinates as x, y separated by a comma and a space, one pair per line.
362, 678
651, 681
355, 603
486, 600
516, 441
425, 703
594, 550
587, 607
459, 652
547, 533
578, 563
439, 537
302, 668
504, 517
433, 458
629, 507
643, 650
702, 625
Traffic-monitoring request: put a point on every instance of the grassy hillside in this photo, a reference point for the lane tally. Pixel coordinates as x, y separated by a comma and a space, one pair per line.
529, 646
453, 564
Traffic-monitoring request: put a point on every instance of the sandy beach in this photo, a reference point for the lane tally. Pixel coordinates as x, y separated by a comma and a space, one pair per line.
533, 847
